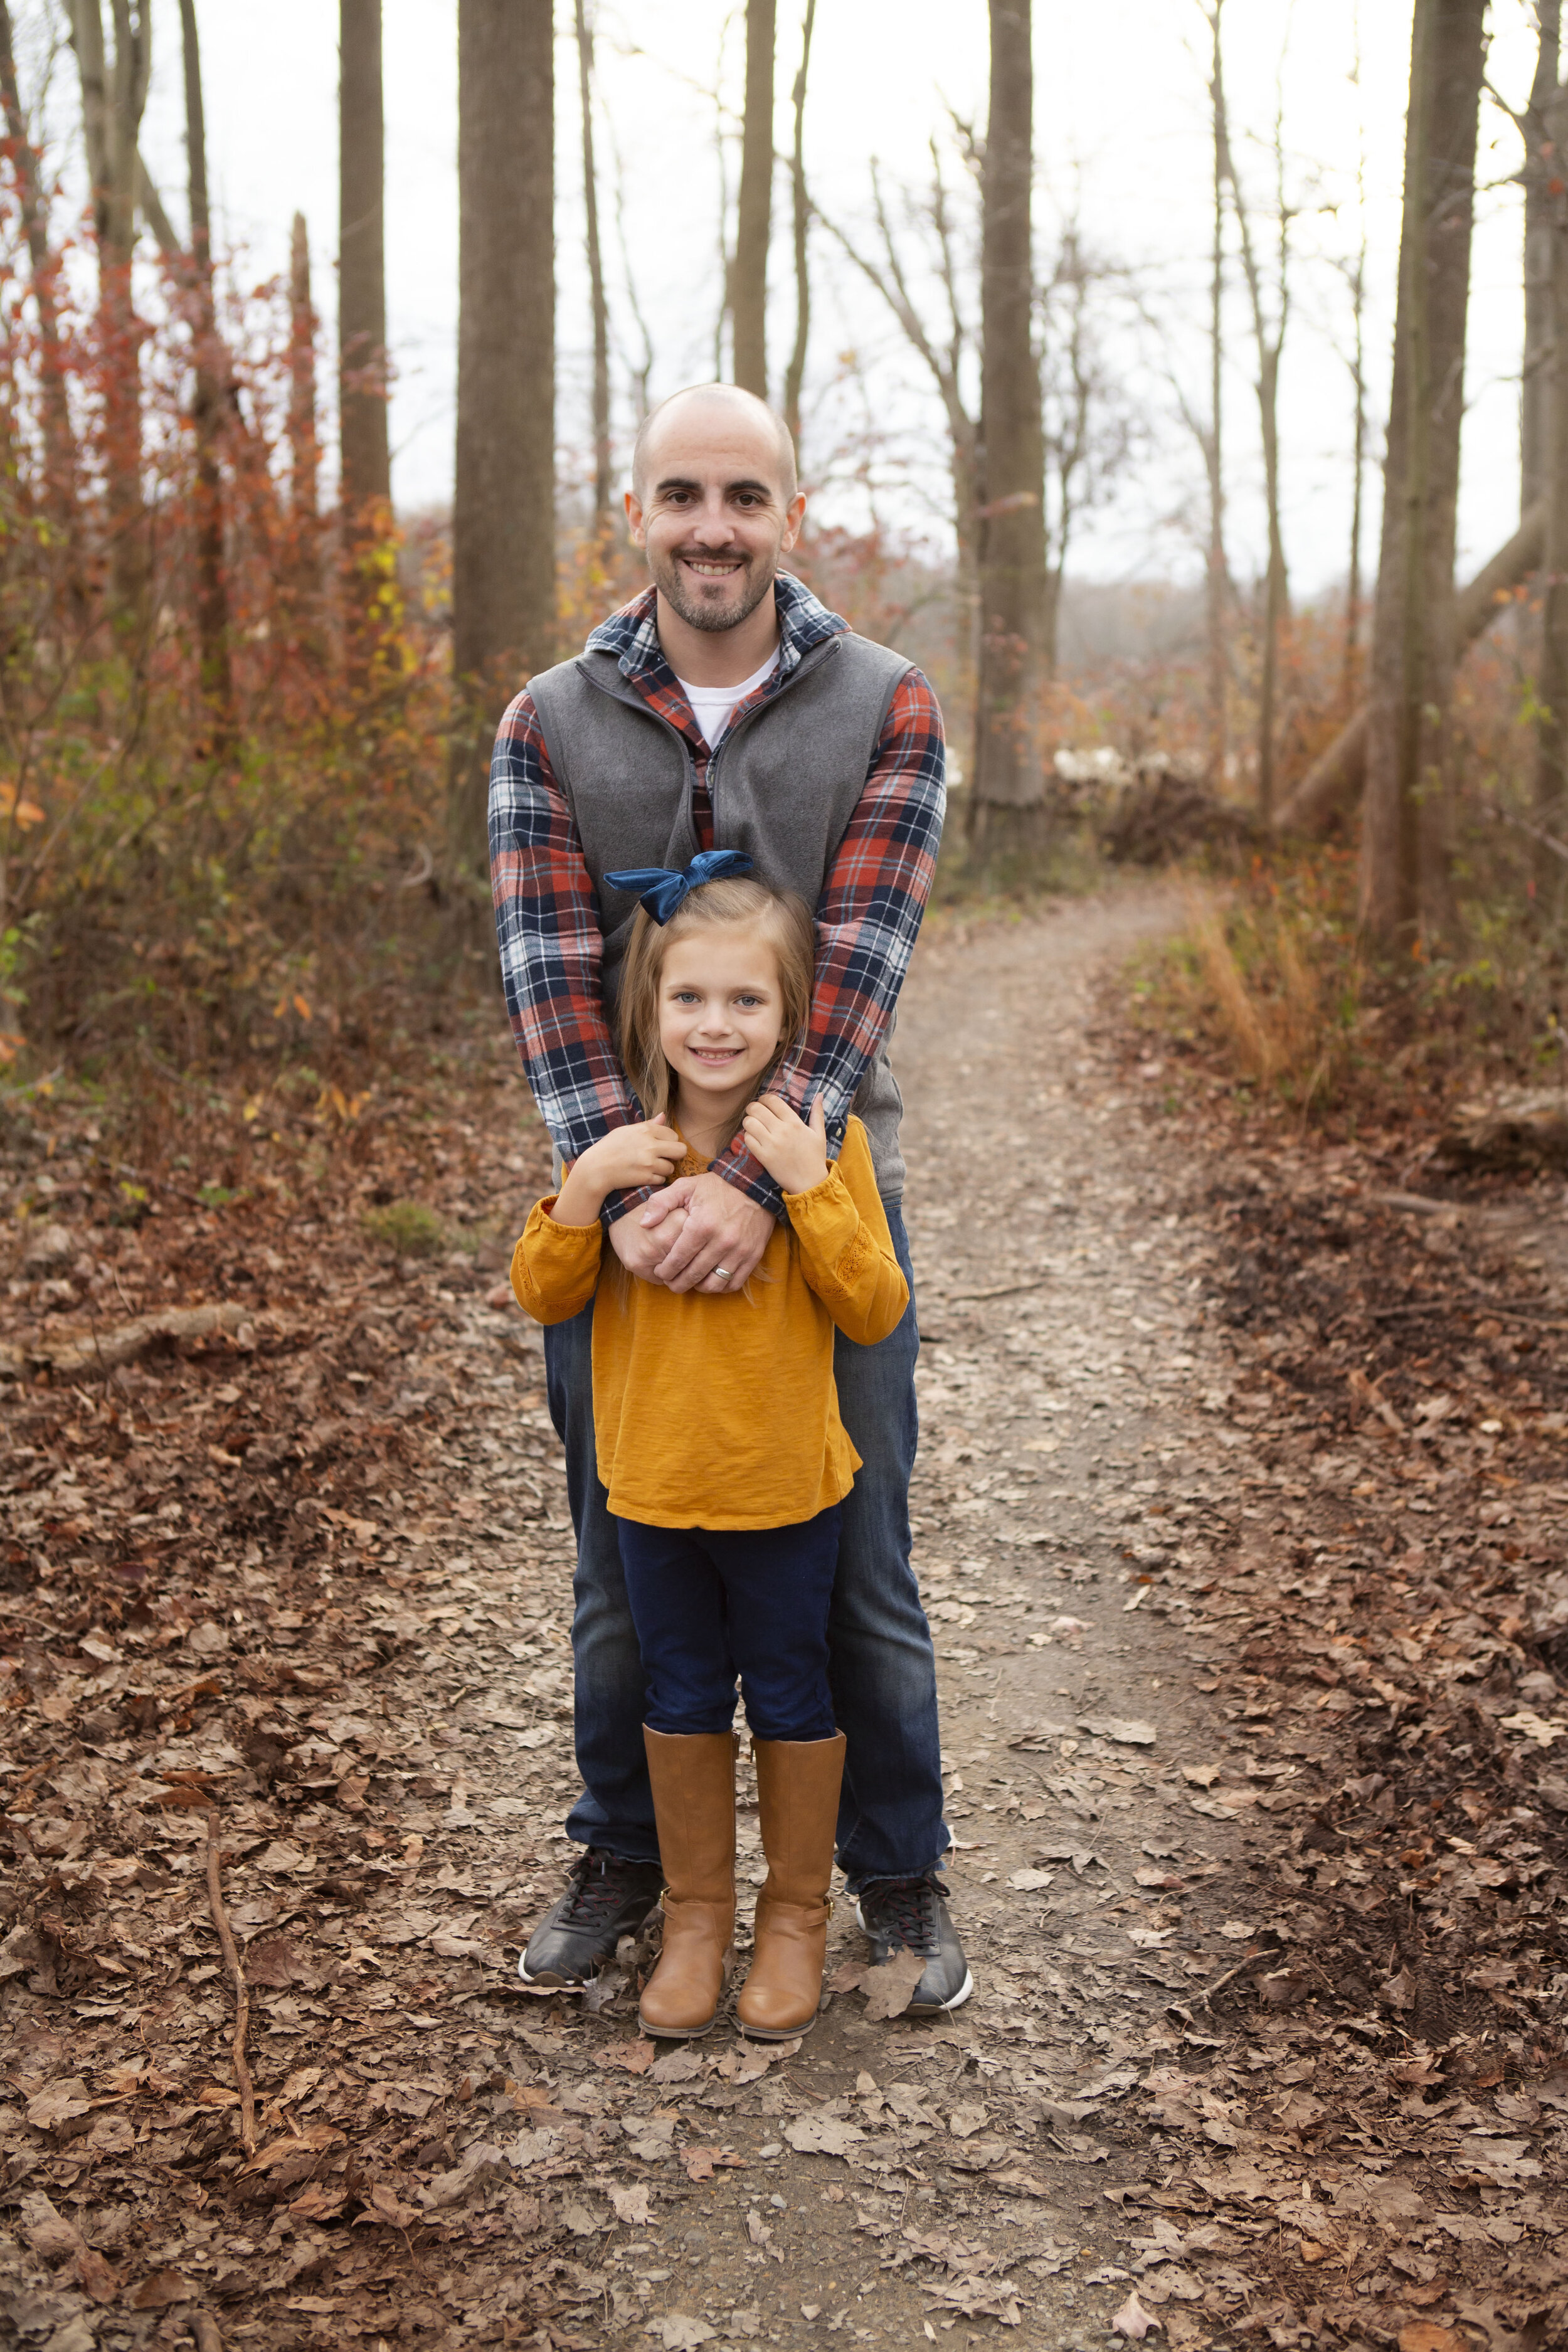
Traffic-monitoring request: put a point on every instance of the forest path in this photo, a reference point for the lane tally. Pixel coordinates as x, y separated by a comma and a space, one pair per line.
1259, 2032
980, 2178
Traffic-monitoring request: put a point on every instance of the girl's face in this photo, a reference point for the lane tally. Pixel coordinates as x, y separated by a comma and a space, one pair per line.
721, 1010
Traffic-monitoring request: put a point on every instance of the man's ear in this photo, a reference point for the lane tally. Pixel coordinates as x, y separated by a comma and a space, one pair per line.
635, 526
794, 515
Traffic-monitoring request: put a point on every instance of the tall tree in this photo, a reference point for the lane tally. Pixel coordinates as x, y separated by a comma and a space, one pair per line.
1405, 826
595, 279
1217, 575
1540, 169
753, 224
503, 513
206, 411
58, 488
362, 267
1356, 280
1552, 695
1008, 780
801, 206
304, 446
113, 96
1269, 338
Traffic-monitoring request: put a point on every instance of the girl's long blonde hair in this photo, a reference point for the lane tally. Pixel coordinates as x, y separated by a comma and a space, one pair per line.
786, 922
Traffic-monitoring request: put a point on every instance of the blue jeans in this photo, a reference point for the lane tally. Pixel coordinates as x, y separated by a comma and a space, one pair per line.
710, 1603
882, 1667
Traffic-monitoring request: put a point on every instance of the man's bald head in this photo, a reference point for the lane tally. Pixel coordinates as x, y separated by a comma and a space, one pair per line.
721, 404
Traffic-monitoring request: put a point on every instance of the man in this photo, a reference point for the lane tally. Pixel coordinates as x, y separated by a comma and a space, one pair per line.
725, 708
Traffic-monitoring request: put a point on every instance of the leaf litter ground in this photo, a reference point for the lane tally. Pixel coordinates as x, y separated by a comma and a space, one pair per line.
1250, 1610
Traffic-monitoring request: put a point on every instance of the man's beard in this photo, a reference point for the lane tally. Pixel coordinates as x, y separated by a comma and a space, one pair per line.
755, 580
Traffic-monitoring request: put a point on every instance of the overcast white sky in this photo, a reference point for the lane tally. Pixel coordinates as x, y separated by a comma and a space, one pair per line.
1121, 134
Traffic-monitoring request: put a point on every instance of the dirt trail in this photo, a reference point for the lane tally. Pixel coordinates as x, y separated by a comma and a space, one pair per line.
376, 1691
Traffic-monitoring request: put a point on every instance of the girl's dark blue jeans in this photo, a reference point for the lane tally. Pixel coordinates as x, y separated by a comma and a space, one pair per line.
710, 1603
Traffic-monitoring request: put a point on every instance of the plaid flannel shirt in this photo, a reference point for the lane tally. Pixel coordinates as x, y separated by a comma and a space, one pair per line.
547, 917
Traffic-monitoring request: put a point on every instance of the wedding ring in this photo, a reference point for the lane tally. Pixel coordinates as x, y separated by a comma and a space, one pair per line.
723, 1273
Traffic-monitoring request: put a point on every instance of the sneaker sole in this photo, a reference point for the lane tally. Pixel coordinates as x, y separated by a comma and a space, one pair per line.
928, 2008
940, 2007
548, 1982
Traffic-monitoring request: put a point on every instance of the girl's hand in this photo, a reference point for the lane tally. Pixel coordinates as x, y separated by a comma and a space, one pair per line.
794, 1152
647, 1153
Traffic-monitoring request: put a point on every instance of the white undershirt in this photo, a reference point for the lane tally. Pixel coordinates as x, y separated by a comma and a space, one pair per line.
712, 705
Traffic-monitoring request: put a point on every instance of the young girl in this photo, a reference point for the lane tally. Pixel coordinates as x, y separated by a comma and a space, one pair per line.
716, 1421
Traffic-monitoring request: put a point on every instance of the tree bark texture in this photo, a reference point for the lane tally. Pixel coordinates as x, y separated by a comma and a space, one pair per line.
207, 412
1349, 665
1217, 574
304, 446
504, 514
1551, 694
113, 95
753, 222
1405, 832
596, 278
58, 490
1270, 342
1011, 468
362, 267
1535, 392
794, 376
1339, 772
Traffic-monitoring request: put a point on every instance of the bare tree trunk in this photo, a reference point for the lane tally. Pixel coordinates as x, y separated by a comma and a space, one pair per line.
304, 446
113, 95
1007, 776
1551, 694
1067, 448
1535, 392
1217, 571
749, 295
59, 498
504, 514
1270, 342
1350, 664
795, 373
1405, 832
206, 414
366, 488
596, 281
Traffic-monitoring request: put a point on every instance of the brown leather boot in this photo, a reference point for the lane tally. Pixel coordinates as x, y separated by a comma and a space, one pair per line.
693, 1778
797, 1784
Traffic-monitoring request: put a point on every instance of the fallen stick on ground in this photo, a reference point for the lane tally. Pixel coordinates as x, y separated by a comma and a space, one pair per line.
241, 1990
75, 1351
997, 1290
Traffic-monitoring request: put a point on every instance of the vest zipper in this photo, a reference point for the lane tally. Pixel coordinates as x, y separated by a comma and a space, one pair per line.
730, 732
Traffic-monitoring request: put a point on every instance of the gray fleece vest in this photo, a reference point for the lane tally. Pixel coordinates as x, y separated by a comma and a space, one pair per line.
784, 783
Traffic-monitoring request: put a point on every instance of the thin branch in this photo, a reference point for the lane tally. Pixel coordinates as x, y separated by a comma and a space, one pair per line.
241, 1990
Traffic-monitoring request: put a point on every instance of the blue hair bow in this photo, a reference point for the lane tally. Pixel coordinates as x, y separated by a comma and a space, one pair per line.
662, 890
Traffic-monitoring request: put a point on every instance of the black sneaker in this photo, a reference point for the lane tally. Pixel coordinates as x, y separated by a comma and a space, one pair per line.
911, 1915
608, 1897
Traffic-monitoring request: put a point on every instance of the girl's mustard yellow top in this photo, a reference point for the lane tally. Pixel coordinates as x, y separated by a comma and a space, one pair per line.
721, 1412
